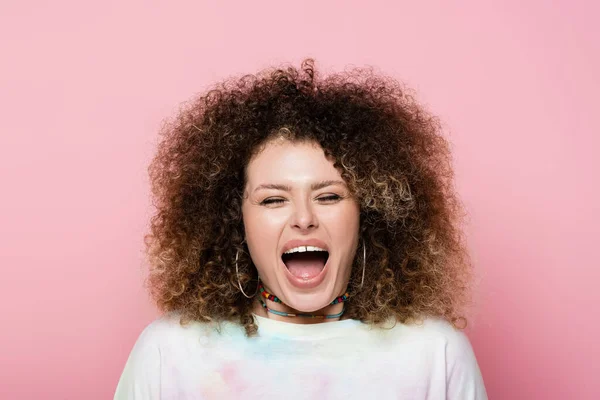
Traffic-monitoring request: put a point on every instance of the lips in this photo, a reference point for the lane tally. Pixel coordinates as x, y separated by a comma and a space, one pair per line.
305, 269
303, 242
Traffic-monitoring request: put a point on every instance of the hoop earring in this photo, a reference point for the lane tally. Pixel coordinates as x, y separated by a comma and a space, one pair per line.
237, 275
362, 281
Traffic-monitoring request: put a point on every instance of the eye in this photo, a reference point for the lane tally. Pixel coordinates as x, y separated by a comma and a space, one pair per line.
271, 200
330, 198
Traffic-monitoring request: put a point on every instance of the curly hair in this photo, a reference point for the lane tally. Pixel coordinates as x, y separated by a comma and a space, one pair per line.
388, 149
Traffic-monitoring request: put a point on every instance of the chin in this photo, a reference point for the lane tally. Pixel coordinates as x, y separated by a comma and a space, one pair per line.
311, 300
308, 305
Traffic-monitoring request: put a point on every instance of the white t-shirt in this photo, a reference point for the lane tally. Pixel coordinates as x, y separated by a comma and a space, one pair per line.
332, 360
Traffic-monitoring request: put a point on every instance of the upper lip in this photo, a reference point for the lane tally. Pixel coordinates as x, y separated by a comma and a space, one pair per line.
304, 242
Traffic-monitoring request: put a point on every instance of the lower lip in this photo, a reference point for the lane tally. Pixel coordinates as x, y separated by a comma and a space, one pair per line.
306, 283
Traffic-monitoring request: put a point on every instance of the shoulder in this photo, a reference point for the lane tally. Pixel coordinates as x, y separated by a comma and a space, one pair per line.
140, 378
443, 330
168, 331
157, 334
427, 329
165, 328
456, 343
463, 376
163, 342
438, 333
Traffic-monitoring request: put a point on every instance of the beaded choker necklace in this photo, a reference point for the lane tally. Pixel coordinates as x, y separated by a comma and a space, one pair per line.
276, 299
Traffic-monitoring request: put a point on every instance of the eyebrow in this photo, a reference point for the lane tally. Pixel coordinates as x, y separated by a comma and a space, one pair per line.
287, 188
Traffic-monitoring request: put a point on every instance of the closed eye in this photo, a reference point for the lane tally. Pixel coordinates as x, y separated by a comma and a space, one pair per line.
272, 201
325, 199
330, 198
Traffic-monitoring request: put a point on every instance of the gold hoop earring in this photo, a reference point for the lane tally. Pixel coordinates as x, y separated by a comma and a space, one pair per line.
237, 275
362, 281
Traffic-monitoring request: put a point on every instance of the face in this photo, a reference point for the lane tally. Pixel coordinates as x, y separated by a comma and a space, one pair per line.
295, 197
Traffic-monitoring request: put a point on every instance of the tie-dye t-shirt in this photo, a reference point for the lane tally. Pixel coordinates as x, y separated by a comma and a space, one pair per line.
332, 360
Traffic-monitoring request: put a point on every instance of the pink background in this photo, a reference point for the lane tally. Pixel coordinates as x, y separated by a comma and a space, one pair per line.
84, 87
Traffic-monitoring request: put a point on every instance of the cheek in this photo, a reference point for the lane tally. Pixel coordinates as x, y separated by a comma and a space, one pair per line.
344, 222
261, 225
262, 233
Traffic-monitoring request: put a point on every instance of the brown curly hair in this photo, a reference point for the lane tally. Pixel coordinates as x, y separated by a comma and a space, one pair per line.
388, 149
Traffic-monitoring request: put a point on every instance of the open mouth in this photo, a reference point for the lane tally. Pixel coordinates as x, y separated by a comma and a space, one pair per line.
307, 264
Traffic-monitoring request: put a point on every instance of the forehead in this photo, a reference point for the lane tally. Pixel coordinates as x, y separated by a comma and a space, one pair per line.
283, 160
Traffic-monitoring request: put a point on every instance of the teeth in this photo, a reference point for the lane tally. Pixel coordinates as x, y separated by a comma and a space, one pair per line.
301, 249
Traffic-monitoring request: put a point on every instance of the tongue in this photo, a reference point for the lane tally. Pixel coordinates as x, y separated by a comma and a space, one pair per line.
305, 265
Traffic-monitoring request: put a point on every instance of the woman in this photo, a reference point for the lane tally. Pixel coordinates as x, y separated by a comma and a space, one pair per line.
306, 245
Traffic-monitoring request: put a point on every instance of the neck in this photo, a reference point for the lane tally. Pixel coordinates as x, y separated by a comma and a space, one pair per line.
258, 309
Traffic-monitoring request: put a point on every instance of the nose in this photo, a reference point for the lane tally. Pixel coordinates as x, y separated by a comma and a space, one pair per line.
304, 217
